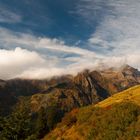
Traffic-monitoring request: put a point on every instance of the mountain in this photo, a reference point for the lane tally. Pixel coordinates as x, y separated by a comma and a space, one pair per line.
34, 107
121, 78
87, 87
68, 92
116, 118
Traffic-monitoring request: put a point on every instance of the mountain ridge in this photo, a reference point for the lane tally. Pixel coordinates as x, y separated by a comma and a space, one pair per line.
87, 87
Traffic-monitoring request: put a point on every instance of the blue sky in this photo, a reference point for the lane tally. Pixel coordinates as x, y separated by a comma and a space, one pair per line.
45, 38
54, 19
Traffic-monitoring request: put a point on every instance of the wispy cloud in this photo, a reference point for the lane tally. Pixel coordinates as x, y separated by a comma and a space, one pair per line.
119, 32
10, 39
91, 11
7, 16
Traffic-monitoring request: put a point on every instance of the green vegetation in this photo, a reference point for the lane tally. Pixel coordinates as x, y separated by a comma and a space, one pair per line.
116, 118
116, 122
47, 120
24, 125
16, 126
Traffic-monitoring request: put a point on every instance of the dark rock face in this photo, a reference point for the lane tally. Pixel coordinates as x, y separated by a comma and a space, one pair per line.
68, 92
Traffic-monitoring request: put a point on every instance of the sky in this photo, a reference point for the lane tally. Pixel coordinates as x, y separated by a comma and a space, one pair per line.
45, 38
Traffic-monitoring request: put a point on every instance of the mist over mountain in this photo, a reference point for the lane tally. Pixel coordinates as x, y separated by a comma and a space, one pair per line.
87, 87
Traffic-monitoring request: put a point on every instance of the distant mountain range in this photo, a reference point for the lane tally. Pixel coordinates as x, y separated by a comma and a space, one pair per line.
67, 92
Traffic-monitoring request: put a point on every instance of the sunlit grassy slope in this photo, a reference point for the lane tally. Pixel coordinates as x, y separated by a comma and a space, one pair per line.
116, 118
131, 94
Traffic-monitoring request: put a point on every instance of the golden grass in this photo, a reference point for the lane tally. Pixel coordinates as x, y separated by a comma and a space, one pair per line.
132, 94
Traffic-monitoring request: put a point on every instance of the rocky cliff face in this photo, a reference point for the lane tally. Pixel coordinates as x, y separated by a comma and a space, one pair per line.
132, 74
120, 79
68, 92
88, 87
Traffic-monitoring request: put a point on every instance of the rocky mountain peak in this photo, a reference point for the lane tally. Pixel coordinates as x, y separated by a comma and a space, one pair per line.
131, 73
128, 68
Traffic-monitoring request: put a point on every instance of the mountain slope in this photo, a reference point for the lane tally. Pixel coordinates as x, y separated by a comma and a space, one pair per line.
11, 90
132, 94
87, 87
117, 118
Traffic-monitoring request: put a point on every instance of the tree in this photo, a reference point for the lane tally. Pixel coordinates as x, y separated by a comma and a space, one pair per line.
17, 125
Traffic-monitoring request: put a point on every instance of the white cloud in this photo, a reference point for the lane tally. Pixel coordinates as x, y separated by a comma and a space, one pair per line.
28, 56
14, 62
10, 39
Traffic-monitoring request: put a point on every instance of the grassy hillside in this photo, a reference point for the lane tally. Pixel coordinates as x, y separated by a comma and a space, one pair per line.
131, 94
116, 118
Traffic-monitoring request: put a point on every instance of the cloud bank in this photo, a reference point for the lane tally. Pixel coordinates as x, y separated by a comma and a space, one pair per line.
29, 56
